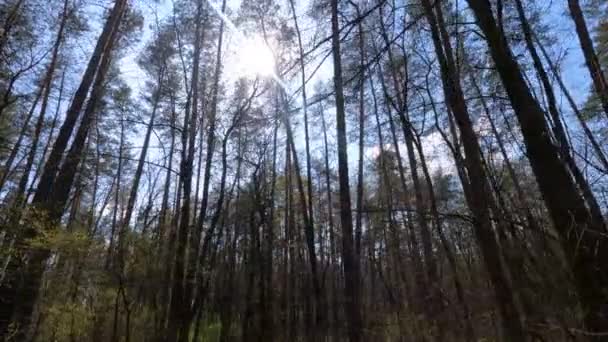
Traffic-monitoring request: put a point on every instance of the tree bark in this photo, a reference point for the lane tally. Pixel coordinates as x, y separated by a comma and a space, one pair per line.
359, 213
350, 265
124, 226
49, 173
23, 296
45, 100
581, 232
594, 143
591, 60
179, 307
481, 196
558, 128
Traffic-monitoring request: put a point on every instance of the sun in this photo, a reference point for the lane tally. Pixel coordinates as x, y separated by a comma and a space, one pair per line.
254, 58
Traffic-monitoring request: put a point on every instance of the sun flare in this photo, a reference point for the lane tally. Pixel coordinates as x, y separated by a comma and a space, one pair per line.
254, 58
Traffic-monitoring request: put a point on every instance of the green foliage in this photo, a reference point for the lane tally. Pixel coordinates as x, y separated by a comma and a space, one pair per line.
96, 291
70, 244
210, 331
6, 132
592, 107
67, 320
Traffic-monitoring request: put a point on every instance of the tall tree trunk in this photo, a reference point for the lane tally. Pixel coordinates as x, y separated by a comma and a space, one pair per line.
49, 139
420, 283
49, 173
320, 310
117, 192
179, 307
23, 296
225, 296
290, 241
305, 111
60, 190
124, 226
200, 257
393, 245
503, 151
8, 165
359, 213
11, 18
558, 128
308, 223
581, 232
333, 258
481, 196
267, 324
599, 152
8, 25
447, 247
166, 229
591, 60
207, 255
433, 296
48, 79
351, 269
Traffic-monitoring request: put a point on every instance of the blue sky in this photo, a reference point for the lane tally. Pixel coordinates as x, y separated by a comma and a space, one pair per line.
573, 71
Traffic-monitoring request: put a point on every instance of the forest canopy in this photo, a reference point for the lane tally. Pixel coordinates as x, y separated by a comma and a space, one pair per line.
303, 170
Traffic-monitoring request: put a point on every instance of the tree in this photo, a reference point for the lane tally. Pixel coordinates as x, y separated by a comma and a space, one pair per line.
351, 268
591, 60
185, 183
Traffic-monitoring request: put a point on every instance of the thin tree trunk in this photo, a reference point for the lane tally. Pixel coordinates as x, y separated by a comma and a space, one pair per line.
47, 145
5, 33
267, 325
199, 257
393, 245
166, 255
591, 60
8, 25
507, 161
308, 224
124, 226
45, 100
114, 223
360, 188
179, 308
330, 217
432, 296
596, 146
207, 255
447, 247
305, 111
320, 310
420, 283
8, 165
